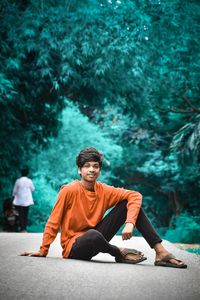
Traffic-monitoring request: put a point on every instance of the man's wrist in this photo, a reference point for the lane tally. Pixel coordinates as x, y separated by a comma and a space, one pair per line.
130, 224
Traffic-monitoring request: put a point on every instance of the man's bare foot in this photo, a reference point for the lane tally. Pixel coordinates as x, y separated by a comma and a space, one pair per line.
164, 258
131, 254
160, 256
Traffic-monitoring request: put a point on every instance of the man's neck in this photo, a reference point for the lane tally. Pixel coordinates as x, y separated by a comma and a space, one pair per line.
88, 185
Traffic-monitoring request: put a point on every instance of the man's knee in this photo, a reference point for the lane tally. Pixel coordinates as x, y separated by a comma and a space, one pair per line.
94, 235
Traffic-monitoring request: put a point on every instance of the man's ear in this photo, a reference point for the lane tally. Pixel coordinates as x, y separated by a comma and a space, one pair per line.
79, 170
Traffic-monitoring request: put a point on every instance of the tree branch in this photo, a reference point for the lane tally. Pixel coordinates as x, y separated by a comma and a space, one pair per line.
194, 109
189, 103
179, 111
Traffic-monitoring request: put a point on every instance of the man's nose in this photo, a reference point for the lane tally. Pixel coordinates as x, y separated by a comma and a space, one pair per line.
91, 168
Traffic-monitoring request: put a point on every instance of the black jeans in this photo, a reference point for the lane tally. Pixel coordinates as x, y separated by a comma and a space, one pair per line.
23, 215
97, 239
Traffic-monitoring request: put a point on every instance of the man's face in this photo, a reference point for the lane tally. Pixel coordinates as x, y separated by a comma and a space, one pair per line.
90, 171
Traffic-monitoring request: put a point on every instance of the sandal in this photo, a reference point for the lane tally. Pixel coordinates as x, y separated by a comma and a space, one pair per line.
122, 258
165, 262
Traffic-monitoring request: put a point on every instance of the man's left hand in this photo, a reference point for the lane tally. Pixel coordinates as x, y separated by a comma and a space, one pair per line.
127, 231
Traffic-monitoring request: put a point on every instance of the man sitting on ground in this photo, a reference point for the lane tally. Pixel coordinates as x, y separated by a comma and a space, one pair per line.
79, 211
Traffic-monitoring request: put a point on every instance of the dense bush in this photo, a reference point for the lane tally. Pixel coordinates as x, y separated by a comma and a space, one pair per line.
184, 228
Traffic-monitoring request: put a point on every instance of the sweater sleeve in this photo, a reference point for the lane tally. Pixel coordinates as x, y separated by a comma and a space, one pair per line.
134, 201
55, 219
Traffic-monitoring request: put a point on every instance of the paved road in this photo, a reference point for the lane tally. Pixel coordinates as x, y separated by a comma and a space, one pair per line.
57, 278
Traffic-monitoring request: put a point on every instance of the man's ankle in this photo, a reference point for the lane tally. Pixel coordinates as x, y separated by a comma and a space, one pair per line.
159, 249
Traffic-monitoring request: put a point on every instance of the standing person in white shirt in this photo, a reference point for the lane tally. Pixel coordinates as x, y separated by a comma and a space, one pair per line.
22, 193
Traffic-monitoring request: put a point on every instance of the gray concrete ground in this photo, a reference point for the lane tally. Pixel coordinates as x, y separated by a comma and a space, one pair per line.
56, 278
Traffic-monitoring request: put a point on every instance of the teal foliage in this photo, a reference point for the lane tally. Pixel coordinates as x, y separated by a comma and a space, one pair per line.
44, 197
187, 140
130, 73
57, 165
184, 228
195, 251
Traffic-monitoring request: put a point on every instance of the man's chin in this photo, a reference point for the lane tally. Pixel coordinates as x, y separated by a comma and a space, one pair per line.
91, 179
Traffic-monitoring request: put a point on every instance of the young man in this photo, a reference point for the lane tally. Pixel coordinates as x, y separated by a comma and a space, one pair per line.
79, 211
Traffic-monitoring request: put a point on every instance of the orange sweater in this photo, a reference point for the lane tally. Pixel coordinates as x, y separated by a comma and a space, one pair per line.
77, 209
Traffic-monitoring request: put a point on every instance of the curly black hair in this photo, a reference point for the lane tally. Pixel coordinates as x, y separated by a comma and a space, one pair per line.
89, 154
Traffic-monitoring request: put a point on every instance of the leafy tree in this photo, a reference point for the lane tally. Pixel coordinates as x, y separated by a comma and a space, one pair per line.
133, 69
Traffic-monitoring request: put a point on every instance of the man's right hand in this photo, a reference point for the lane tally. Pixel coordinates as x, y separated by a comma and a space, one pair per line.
35, 254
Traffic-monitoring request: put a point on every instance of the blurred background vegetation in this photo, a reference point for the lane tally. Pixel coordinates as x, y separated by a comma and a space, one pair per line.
121, 76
